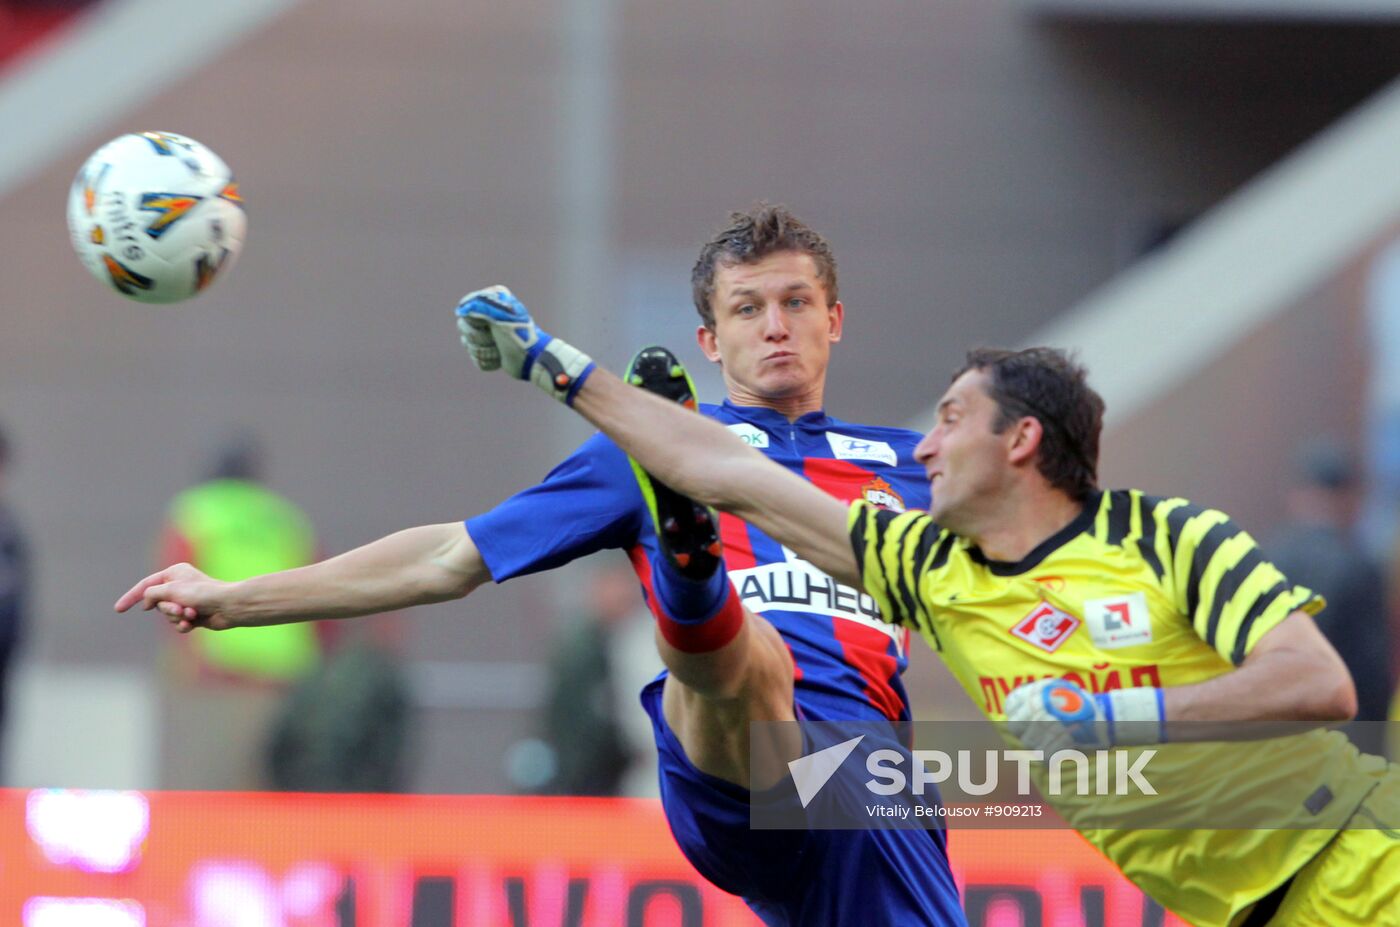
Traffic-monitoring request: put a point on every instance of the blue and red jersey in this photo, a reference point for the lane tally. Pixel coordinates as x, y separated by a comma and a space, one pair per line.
846, 658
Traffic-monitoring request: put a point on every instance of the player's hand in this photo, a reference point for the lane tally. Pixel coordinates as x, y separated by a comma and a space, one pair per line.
498, 332
484, 314
186, 597
1056, 714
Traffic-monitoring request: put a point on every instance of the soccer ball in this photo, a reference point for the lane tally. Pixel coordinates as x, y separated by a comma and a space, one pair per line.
156, 216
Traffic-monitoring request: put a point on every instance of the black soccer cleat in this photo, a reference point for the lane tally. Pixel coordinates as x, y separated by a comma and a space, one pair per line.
687, 531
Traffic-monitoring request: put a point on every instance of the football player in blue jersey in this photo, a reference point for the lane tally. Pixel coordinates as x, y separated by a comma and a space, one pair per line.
748, 632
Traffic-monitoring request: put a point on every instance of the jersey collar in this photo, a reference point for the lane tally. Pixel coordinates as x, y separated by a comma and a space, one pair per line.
1081, 523
770, 419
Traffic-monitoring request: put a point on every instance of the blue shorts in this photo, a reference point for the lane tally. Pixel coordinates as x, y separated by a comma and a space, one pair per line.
800, 877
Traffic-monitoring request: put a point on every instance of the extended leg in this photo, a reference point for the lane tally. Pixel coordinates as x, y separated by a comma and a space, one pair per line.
728, 667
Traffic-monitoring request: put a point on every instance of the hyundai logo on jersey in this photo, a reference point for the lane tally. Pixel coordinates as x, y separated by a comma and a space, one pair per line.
845, 447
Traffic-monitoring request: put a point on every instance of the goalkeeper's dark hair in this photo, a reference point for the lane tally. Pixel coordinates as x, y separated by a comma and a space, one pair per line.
749, 238
1049, 386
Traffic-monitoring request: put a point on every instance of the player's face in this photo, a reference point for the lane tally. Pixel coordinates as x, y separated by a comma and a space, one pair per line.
966, 461
773, 329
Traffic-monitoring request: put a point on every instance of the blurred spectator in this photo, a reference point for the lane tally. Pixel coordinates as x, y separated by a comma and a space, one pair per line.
233, 527
1317, 548
1380, 517
581, 723
14, 585
635, 663
344, 728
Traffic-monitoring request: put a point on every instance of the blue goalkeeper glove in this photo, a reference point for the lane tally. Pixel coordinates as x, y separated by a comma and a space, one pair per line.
1056, 714
498, 332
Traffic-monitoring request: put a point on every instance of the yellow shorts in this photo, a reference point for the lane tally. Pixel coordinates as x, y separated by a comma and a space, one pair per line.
1355, 880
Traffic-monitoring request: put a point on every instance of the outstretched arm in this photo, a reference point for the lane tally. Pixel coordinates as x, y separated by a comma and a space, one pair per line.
1292, 680
418, 566
702, 459
1292, 674
687, 452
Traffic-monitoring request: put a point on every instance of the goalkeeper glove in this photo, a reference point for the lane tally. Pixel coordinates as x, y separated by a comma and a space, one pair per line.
497, 331
1056, 714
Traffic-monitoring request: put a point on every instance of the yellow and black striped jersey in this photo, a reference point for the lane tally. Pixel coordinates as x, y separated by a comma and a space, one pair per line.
1136, 591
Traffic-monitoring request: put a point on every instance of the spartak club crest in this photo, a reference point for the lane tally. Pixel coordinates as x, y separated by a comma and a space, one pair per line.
1046, 627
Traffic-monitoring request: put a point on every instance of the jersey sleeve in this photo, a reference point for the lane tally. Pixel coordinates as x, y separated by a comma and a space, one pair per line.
892, 551
1218, 577
590, 502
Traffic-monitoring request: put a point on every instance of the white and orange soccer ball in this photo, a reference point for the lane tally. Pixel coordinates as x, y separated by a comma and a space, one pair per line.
156, 216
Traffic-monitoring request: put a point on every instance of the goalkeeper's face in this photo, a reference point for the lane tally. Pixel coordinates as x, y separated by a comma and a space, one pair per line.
970, 465
773, 329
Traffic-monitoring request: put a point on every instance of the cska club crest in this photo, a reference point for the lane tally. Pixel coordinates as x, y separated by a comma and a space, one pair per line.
880, 493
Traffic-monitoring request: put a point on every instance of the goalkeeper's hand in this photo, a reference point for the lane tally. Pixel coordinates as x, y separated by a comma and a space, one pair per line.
497, 331
1056, 714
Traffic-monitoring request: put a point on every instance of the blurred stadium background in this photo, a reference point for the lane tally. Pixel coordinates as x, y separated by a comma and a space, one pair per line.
1199, 195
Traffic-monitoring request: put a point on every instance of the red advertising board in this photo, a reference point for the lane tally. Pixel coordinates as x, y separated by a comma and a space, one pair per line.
213, 859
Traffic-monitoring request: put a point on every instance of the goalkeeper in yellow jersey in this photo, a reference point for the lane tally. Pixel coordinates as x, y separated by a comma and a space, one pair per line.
1081, 617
